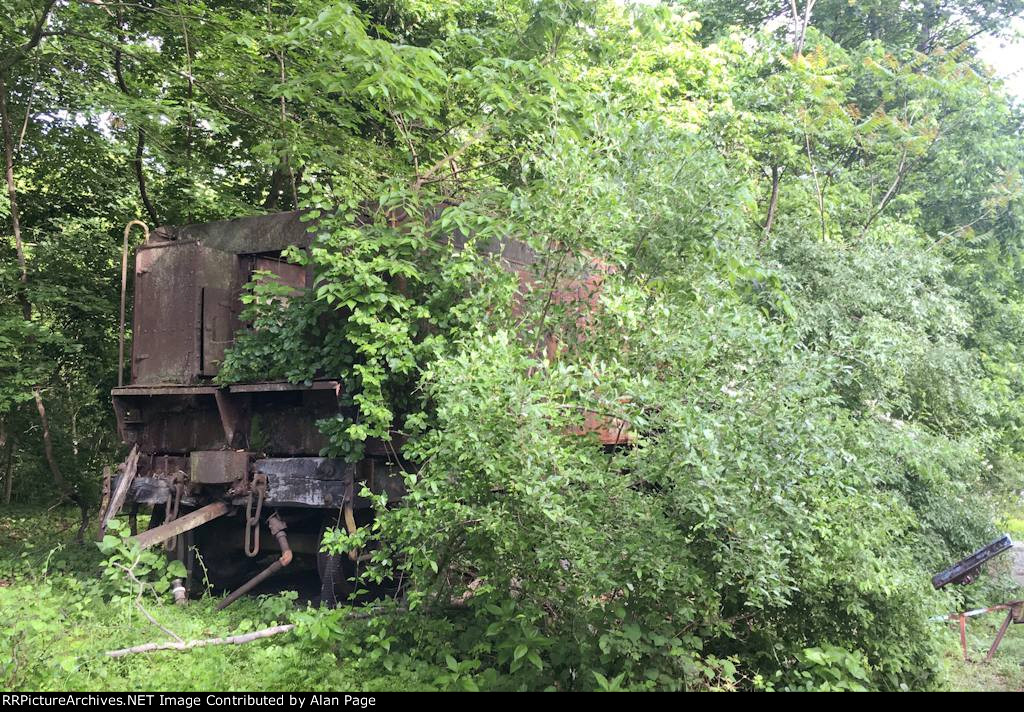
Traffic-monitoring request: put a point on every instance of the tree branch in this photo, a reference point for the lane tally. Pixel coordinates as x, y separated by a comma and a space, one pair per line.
138, 603
19, 53
182, 645
901, 172
140, 144
817, 183
773, 202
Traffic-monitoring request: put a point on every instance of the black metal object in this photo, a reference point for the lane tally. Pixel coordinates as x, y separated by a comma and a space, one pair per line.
966, 570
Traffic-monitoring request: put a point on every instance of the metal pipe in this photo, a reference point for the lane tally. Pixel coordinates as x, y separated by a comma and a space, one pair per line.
182, 524
180, 594
277, 527
999, 636
124, 289
963, 635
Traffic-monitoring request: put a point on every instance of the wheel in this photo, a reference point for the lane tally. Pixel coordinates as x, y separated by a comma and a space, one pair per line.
335, 572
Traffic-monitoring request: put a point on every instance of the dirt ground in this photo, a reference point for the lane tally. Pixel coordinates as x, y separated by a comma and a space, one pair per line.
1017, 568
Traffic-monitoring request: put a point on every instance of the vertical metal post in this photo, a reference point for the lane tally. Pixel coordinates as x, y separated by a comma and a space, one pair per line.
999, 636
124, 290
963, 635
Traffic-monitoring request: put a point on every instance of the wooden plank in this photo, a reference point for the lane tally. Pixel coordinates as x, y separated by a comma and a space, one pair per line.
164, 391
123, 483
182, 524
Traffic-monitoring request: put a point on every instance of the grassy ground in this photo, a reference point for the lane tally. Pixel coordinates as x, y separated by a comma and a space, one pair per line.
59, 622
1004, 673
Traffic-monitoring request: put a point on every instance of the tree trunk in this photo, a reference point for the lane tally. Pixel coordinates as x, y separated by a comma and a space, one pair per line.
800, 25
278, 179
9, 476
12, 195
8, 460
26, 307
140, 143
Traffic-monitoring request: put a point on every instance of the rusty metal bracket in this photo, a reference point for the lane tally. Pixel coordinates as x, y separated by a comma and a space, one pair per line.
173, 504
251, 534
1015, 614
999, 636
235, 415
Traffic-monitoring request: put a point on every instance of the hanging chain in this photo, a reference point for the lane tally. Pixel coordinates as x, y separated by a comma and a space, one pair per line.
251, 540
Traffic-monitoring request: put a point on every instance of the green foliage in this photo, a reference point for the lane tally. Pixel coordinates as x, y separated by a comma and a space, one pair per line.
809, 316
131, 572
62, 619
824, 669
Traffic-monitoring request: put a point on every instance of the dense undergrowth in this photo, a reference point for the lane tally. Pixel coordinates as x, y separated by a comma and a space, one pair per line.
63, 617
62, 622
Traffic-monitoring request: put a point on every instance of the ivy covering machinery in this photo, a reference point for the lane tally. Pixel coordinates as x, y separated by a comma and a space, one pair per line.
233, 473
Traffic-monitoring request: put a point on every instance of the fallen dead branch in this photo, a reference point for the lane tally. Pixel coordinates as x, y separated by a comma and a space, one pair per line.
356, 615
202, 643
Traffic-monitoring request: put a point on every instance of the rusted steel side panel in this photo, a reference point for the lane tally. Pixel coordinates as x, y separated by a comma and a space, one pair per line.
171, 279
277, 422
163, 333
220, 320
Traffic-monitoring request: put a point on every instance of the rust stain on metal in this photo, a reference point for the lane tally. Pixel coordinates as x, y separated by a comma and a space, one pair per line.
218, 467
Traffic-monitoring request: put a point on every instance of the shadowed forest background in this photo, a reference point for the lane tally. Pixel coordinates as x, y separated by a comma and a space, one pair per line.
809, 217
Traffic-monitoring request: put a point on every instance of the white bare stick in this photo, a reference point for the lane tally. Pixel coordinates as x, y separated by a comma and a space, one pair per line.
230, 640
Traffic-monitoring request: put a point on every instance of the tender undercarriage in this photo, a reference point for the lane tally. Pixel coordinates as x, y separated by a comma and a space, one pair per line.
237, 470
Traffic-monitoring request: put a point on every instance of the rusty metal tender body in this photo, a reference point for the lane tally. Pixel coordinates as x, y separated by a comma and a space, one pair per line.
196, 443
251, 449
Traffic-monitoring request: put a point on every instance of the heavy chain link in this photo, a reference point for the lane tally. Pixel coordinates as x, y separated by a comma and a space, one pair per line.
251, 541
